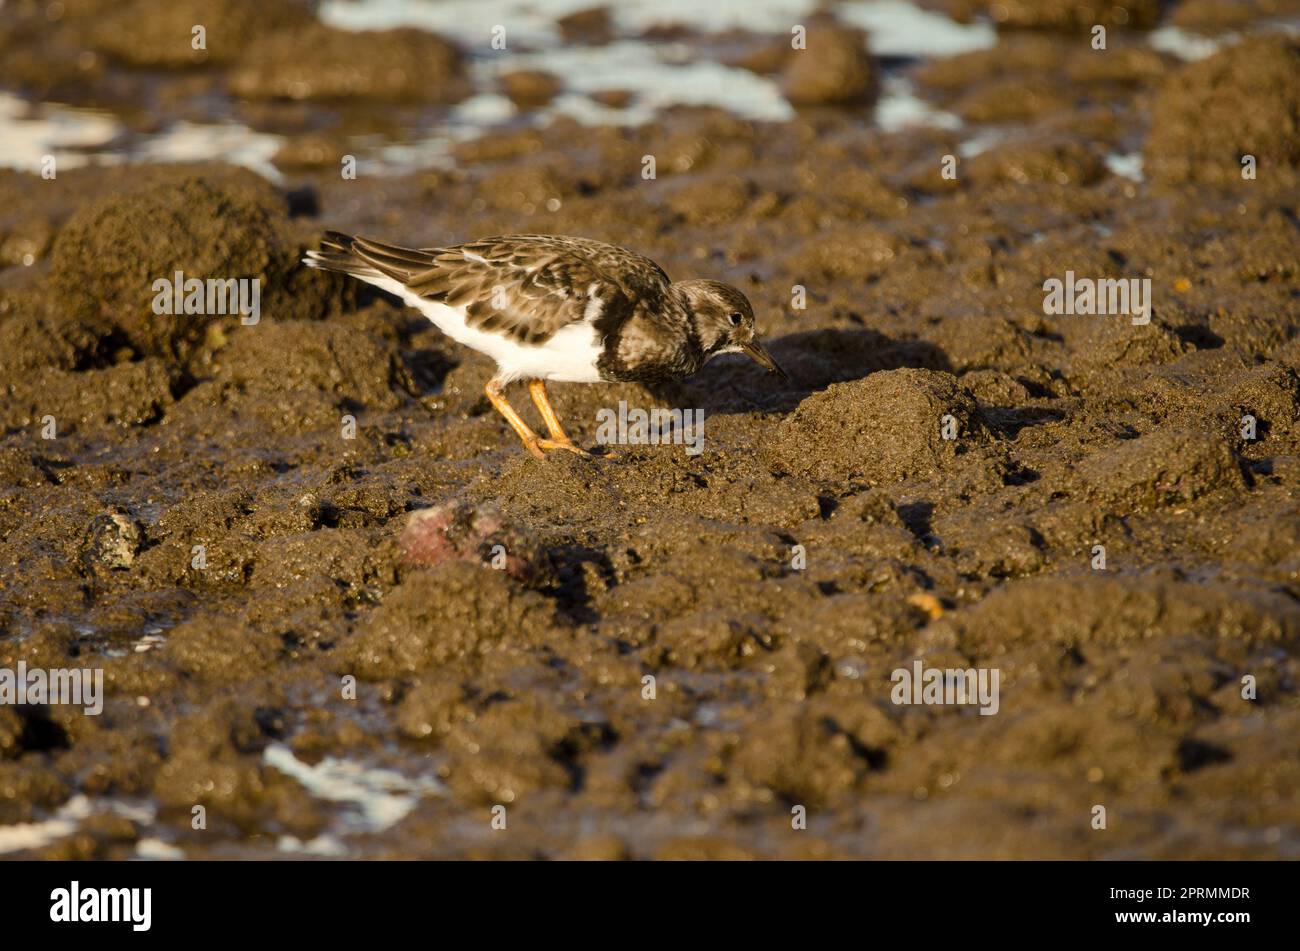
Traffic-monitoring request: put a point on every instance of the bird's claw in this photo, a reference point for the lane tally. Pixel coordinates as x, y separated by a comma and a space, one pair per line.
535, 448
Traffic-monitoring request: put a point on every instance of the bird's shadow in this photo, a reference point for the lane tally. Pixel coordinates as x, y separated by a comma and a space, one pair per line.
814, 359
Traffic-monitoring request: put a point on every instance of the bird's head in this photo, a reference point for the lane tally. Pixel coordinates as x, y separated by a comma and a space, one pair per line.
724, 321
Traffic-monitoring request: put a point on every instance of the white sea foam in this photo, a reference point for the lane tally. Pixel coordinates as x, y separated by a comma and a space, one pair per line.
899, 107
381, 797
1126, 165
32, 131
24, 836
900, 28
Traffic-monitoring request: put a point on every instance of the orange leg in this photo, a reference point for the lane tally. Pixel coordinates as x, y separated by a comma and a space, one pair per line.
558, 440
532, 442
502, 406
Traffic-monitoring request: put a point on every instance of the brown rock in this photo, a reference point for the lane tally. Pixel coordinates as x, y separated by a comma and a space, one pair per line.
834, 70
591, 26
145, 34
530, 88
322, 63
1068, 15
880, 429
1244, 100
613, 98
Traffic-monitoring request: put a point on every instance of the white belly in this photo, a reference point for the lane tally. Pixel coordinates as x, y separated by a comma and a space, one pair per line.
569, 356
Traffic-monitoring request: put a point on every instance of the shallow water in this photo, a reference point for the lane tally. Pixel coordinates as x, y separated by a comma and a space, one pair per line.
658, 74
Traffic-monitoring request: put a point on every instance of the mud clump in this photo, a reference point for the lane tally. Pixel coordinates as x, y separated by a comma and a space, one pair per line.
834, 70
713, 199
20, 469
319, 567
456, 611
1167, 467
220, 650
885, 428
215, 759
311, 151
302, 375
802, 756
1243, 100
1214, 16
591, 26
322, 63
1012, 101
859, 251
1270, 394
1101, 608
530, 88
711, 640
1032, 75
612, 98
1004, 549
1062, 15
149, 35
108, 257
513, 749
1067, 162
129, 394
30, 341
27, 240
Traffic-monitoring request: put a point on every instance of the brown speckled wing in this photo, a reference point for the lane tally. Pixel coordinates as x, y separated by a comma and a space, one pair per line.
523, 286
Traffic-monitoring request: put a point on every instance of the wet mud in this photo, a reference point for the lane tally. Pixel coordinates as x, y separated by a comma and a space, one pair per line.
308, 545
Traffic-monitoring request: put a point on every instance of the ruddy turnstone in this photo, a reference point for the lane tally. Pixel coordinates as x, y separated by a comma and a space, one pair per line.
546, 307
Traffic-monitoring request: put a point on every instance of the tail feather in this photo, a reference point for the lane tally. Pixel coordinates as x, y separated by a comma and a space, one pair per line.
337, 241
368, 259
397, 262
335, 254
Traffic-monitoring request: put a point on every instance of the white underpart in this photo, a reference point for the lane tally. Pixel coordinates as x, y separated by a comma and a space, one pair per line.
569, 356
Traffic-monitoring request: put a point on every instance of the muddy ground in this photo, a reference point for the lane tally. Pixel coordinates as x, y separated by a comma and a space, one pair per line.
827, 535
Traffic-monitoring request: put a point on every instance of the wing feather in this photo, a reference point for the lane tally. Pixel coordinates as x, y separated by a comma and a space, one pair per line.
527, 286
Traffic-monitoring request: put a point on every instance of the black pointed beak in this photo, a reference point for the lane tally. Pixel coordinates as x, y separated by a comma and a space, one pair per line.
755, 351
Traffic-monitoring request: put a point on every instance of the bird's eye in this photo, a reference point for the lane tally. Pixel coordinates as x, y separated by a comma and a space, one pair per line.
735, 319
